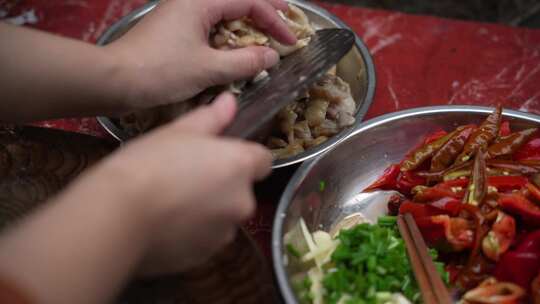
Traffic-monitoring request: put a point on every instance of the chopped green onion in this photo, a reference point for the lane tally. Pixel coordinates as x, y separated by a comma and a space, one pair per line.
322, 186
387, 220
370, 263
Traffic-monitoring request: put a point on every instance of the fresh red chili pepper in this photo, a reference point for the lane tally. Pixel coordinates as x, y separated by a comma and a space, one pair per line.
493, 292
418, 210
509, 182
529, 151
505, 129
420, 155
534, 191
482, 137
522, 264
458, 232
460, 182
435, 193
408, 180
531, 243
447, 154
506, 183
434, 232
450, 205
518, 204
499, 239
387, 181
518, 267
508, 145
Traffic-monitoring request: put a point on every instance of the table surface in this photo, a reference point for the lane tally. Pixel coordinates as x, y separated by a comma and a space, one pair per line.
419, 60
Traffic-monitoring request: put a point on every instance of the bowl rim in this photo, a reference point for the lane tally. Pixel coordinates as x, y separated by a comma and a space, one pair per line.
361, 111
302, 172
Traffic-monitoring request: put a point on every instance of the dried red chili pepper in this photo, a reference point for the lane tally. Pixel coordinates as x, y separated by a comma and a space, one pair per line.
478, 185
440, 175
420, 155
427, 140
482, 137
480, 230
447, 154
513, 166
531, 162
508, 145
434, 136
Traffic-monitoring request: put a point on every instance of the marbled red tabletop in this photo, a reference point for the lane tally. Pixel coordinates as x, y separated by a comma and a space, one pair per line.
419, 61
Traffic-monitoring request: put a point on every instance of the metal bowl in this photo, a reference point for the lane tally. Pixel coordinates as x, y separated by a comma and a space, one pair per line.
355, 163
356, 68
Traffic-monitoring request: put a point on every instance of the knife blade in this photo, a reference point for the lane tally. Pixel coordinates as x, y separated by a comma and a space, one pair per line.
292, 75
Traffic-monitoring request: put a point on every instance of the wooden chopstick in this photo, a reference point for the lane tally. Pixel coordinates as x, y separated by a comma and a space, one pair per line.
430, 283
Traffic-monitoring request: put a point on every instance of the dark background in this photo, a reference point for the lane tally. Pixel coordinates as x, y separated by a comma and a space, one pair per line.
524, 13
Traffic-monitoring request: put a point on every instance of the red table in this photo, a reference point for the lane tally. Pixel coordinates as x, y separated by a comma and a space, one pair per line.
419, 61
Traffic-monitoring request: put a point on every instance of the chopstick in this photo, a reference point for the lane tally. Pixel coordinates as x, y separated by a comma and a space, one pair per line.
431, 285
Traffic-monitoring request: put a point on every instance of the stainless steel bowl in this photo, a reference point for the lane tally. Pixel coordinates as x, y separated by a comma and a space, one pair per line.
355, 163
356, 68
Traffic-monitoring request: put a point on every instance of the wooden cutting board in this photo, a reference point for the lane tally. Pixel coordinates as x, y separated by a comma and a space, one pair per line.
36, 163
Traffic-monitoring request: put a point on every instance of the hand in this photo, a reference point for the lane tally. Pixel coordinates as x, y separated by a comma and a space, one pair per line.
169, 55
194, 187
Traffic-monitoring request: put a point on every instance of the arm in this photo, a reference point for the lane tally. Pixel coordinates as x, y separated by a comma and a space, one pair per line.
115, 221
70, 254
47, 76
165, 58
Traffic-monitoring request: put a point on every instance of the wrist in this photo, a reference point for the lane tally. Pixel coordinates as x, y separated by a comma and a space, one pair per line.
135, 90
123, 86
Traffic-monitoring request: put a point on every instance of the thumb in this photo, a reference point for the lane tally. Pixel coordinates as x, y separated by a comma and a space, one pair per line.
210, 119
243, 63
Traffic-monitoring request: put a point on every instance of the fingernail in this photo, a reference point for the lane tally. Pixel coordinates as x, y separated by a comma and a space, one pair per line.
271, 58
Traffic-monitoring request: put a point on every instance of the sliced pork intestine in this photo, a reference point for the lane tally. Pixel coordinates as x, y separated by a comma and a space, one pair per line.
320, 112
242, 33
336, 91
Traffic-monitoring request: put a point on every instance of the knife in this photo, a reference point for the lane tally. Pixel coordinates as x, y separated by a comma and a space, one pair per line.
261, 101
